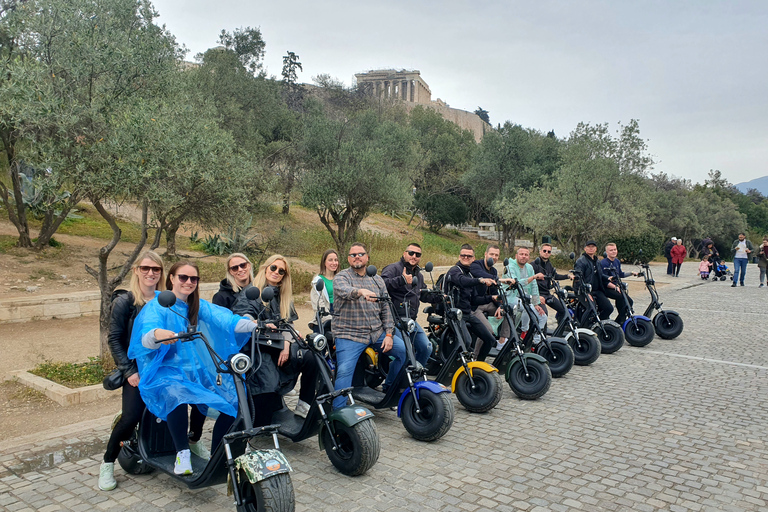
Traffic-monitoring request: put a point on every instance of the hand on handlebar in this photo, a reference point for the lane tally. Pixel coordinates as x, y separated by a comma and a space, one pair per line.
507, 280
539, 276
487, 281
367, 294
163, 334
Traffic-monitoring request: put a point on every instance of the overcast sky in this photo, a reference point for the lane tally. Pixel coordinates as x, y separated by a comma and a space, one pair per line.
694, 73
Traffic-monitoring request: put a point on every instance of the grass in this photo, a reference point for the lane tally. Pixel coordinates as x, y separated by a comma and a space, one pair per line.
72, 375
7, 242
42, 272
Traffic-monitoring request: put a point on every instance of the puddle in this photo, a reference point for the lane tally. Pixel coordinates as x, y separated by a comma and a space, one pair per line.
52, 459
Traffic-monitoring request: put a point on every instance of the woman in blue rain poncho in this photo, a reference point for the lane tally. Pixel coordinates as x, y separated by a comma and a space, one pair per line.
175, 374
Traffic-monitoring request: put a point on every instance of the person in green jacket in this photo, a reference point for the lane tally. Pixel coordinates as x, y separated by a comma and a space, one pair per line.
522, 271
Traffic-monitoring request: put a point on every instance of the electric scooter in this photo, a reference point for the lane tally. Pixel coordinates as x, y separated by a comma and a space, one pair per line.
348, 434
668, 324
476, 384
423, 406
638, 329
260, 480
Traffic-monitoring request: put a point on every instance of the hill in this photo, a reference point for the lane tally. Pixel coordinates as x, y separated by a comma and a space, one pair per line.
760, 184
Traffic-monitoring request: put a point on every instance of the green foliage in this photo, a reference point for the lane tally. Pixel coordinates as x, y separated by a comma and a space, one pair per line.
441, 209
72, 375
237, 239
301, 280
650, 243
7, 242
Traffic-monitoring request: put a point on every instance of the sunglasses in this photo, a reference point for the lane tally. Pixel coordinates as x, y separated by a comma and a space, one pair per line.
414, 253
545, 251
356, 254
280, 271
466, 255
242, 266
145, 269
192, 279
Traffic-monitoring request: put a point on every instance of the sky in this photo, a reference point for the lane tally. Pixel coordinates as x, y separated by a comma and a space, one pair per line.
692, 72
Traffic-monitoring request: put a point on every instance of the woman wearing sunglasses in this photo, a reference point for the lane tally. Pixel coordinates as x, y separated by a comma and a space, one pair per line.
239, 277
278, 371
329, 267
175, 374
146, 278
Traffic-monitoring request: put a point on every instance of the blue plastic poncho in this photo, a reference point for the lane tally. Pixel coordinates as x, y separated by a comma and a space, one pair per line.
183, 372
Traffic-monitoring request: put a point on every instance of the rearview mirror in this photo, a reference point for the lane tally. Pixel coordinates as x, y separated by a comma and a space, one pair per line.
268, 294
252, 293
166, 299
489, 262
572, 255
319, 285
371, 270
429, 266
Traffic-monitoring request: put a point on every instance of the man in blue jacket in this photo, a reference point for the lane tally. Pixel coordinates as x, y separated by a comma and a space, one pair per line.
589, 269
612, 264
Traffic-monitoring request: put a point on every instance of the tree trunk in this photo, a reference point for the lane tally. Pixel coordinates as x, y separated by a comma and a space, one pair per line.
52, 223
170, 237
17, 212
286, 203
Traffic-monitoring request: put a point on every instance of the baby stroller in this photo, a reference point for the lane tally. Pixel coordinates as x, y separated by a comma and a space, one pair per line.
720, 271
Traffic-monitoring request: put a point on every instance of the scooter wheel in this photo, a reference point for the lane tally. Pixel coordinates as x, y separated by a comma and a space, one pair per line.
639, 333
587, 350
611, 336
358, 447
560, 358
274, 494
486, 393
668, 325
531, 386
131, 462
434, 418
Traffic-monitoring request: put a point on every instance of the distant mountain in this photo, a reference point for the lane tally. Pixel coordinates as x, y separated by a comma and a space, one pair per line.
761, 184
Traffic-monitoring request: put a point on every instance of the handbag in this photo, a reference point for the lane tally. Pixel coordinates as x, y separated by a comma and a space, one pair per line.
270, 340
114, 380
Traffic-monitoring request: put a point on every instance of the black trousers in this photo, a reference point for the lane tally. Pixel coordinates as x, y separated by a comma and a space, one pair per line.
604, 306
133, 408
178, 424
475, 326
670, 266
621, 305
552, 302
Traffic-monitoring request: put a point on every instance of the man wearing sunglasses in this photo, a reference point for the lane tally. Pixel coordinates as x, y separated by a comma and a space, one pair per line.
486, 299
404, 282
542, 265
359, 320
461, 279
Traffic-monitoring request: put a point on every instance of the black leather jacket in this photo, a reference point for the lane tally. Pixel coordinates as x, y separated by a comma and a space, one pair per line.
119, 336
460, 278
398, 289
592, 272
548, 270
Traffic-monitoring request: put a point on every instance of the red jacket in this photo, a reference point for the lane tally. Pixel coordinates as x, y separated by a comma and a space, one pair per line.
679, 252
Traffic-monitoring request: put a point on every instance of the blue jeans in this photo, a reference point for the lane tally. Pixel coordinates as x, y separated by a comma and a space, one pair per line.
739, 264
422, 348
347, 354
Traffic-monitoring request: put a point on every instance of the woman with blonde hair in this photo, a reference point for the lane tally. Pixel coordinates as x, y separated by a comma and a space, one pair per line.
278, 371
239, 277
146, 278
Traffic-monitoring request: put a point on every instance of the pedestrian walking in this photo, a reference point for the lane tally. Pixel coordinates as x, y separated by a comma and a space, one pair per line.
742, 248
679, 252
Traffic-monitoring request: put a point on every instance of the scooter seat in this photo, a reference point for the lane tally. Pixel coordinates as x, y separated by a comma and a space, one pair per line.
435, 319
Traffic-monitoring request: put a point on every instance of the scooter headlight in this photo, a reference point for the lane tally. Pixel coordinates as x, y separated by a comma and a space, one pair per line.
319, 342
589, 287
240, 363
459, 315
410, 326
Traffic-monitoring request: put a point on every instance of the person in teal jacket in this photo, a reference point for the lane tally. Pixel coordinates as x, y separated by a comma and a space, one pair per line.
522, 271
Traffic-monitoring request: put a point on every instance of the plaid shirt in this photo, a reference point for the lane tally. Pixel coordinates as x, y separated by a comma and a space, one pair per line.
355, 318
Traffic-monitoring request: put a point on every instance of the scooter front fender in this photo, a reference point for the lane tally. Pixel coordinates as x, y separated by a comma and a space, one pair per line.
429, 385
262, 464
348, 415
474, 364
638, 317
373, 355
527, 355
583, 330
561, 341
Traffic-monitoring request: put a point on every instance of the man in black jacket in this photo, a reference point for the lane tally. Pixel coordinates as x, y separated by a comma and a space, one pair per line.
592, 273
668, 254
485, 300
460, 279
404, 282
544, 266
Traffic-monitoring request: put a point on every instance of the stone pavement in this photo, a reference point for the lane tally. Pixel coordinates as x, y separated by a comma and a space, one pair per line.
677, 425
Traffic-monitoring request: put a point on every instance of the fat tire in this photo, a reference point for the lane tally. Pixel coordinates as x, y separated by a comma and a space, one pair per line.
564, 358
668, 328
488, 394
274, 494
611, 337
589, 351
640, 333
359, 447
535, 385
435, 419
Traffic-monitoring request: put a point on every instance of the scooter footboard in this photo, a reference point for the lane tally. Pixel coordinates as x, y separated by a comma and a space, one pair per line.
482, 365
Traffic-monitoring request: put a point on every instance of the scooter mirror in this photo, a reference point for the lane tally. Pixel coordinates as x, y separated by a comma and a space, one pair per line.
319, 285
429, 266
506, 261
371, 270
489, 262
252, 293
268, 294
605, 254
166, 299
572, 255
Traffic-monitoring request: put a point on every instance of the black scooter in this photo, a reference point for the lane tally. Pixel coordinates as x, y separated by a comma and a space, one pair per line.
527, 374
477, 384
668, 324
261, 479
638, 329
609, 332
555, 350
422, 405
347, 434
584, 342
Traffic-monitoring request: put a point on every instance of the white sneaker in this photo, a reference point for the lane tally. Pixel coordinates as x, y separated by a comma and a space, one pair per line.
499, 345
200, 449
292, 392
183, 465
107, 476
302, 409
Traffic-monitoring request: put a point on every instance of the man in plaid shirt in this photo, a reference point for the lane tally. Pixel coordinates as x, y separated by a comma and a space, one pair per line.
359, 320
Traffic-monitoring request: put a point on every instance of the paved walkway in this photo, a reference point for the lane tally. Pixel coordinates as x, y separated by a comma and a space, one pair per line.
677, 425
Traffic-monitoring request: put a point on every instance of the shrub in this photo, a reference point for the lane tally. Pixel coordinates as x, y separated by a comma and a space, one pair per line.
650, 243
441, 209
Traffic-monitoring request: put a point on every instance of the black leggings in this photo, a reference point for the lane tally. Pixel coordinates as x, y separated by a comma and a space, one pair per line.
178, 423
133, 408
677, 269
475, 326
